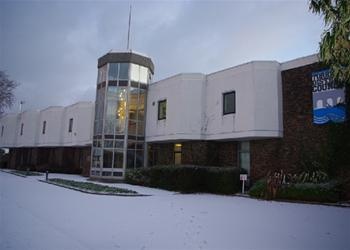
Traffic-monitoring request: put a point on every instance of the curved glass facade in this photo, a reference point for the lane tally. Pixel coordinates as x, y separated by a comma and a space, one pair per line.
119, 124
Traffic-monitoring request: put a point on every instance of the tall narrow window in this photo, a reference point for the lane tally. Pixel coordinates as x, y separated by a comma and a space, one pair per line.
2, 131
229, 102
22, 129
162, 110
44, 127
244, 155
177, 153
70, 127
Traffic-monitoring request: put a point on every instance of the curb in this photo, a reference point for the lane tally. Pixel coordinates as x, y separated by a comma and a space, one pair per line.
344, 205
94, 192
9, 172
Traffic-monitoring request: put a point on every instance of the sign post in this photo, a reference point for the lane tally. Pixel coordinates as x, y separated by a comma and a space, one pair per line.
243, 178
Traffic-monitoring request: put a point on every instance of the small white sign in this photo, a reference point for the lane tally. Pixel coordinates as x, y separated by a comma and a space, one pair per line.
243, 177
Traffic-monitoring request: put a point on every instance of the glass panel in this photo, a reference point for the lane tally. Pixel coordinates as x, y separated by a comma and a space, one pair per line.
134, 72
229, 102
141, 128
131, 144
109, 126
99, 106
130, 159
132, 127
244, 146
106, 173
108, 143
107, 158
139, 145
143, 74
102, 72
120, 127
98, 127
123, 71
97, 143
96, 157
162, 110
113, 72
177, 158
119, 144
133, 101
139, 159
177, 147
121, 105
244, 155
141, 107
118, 159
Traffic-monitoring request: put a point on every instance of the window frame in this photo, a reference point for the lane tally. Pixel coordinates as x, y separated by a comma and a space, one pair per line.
43, 131
70, 125
159, 103
223, 102
21, 132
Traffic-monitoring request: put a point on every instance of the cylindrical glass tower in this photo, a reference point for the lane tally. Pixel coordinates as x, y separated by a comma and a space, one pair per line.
120, 108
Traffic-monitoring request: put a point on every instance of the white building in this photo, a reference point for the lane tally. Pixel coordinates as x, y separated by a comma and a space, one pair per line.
240, 116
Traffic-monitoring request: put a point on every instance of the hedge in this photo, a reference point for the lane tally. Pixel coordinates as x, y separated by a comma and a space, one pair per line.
318, 192
188, 178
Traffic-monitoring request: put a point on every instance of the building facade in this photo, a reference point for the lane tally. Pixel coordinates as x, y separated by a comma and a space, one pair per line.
55, 139
258, 116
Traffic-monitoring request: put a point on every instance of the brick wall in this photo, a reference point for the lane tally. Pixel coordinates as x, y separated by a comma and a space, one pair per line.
203, 153
302, 140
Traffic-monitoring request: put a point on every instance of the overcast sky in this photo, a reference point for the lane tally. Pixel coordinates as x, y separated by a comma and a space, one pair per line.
52, 47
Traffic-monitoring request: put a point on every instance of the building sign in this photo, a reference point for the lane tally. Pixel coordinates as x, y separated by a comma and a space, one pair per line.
328, 99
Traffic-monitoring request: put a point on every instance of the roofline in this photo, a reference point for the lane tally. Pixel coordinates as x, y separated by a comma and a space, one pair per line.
299, 62
127, 57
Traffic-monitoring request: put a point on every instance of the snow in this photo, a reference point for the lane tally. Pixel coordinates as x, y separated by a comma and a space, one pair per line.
36, 215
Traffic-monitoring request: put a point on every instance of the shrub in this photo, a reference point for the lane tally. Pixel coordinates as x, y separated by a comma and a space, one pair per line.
320, 192
188, 178
259, 189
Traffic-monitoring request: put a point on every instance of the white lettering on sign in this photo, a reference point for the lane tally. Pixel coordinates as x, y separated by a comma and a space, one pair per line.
243, 177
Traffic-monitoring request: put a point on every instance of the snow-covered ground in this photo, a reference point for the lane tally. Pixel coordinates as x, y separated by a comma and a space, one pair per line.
36, 215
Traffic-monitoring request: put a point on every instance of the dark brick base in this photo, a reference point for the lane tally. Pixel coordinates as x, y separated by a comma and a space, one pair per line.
62, 160
205, 153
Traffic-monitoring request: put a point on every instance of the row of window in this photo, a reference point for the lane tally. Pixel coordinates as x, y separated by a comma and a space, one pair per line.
43, 130
120, 71
228, 100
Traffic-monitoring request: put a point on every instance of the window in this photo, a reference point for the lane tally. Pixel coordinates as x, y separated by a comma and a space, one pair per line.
162, 110
244, 155
70, 127
22, 129
177, 153
229, 102
2, 131
44, 127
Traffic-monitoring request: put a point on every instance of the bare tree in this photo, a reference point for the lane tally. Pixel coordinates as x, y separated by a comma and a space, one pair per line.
7, 87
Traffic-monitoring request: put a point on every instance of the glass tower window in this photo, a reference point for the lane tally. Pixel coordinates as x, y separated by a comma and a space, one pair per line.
120, 102
113, 71
143, 74
123, 71
102, 73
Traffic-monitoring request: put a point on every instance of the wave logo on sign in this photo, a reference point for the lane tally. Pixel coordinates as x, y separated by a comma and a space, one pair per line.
328, 99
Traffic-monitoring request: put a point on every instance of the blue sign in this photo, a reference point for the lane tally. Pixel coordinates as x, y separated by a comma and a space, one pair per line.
328, 99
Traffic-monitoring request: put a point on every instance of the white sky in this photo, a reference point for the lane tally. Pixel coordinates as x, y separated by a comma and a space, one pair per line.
52, 47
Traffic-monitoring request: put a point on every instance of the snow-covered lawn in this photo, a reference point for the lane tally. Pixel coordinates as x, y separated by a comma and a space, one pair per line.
36, 215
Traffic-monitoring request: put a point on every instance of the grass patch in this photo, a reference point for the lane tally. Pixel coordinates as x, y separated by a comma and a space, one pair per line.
90, 187
25, 173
